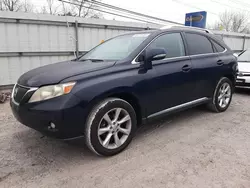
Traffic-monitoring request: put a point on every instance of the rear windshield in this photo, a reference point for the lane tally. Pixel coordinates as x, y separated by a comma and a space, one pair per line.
245, 56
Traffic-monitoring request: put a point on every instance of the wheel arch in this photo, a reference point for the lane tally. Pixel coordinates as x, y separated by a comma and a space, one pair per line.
231, 78
125, 94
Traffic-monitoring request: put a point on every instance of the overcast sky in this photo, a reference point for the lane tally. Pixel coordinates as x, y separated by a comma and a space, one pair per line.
175, 10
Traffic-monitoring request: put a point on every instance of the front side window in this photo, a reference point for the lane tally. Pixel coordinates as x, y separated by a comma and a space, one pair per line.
117, 48
245, 56
172, 43
198, 44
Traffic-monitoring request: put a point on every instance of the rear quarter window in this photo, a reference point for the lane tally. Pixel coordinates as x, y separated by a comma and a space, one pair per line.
217, 46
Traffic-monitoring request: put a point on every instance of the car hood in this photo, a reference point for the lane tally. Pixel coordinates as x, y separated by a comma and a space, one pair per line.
54, 73
244, 66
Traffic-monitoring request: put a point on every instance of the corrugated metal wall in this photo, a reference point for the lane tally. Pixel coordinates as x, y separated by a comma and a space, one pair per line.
90, 37
32, 40
12, 67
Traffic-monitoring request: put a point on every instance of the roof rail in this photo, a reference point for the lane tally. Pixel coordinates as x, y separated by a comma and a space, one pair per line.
189, 27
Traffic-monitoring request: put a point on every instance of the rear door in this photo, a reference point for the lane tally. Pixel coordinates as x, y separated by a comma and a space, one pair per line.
226, 60
172, 83
205, 63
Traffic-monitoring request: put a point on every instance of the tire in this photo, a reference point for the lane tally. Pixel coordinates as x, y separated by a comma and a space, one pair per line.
99, 122
215, 104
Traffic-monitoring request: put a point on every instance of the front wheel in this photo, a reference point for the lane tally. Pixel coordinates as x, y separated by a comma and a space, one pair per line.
110, 127
222, 95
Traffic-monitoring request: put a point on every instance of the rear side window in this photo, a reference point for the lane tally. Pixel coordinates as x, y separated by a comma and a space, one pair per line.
218, 47
172, 43
198, 44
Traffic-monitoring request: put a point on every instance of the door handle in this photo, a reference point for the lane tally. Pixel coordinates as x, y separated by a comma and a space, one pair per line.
186, 68
220, 62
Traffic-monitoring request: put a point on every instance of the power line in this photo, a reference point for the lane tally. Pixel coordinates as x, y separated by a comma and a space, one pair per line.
245, 3
195, 7
241, 4
129, 11
102, 6
248, 4
229, 6
112, 13
214, 2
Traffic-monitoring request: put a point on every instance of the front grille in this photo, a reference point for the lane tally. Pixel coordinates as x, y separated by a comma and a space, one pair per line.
19, 93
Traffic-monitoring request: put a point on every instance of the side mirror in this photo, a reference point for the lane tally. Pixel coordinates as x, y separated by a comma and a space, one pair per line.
159, 57
152, 54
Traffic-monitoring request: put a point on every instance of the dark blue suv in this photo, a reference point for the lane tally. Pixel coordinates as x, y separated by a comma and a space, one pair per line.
106, 93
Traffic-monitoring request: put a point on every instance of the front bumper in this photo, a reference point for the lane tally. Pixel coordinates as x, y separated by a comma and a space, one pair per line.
65, 112
243, 81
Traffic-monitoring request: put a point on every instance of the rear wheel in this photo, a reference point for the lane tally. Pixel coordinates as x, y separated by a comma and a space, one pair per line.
110, 127
222, 95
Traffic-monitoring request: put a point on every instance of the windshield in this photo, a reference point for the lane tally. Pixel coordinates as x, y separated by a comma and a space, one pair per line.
117, 48
245, 56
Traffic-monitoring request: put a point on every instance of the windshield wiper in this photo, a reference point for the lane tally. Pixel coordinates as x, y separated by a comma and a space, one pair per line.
93, 60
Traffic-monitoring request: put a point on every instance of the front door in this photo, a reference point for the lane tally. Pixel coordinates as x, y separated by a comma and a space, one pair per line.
172, 82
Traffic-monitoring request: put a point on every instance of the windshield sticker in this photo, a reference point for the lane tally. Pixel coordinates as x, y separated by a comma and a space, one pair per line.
141, 35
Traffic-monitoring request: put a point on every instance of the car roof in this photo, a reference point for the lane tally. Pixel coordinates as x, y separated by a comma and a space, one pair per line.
173, 28
201, 31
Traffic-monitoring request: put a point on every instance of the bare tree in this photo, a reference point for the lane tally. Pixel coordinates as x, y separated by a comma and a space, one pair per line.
80, 9
43, 10
96, 15
50, 4
27, 6
233, 21
12, 5
68, 10
84, 8
1, 5
51, 7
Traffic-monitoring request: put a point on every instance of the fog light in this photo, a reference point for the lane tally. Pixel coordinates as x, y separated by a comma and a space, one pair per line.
52, 126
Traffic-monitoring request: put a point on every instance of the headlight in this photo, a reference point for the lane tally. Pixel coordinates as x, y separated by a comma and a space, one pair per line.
240, 74
237, 68
48, 92
236, 56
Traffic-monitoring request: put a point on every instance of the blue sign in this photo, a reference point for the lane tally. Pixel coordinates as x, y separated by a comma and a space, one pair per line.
196, 19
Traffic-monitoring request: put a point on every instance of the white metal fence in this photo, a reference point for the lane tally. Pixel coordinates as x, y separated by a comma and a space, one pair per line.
29, 40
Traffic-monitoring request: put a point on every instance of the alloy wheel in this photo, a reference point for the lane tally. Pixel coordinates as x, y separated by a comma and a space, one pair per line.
224, 95
114, 128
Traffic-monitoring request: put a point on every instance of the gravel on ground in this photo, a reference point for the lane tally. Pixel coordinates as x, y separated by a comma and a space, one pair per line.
194, 148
